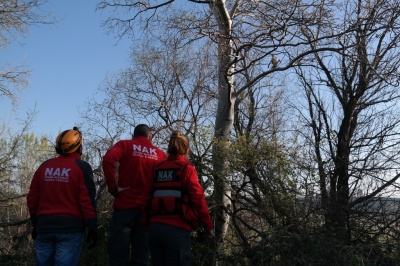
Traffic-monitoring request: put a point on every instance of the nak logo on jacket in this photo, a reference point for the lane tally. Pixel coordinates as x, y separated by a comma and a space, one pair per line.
57, 174
146, 152
167, 175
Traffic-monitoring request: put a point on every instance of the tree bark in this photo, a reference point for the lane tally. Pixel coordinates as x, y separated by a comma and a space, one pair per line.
223, 122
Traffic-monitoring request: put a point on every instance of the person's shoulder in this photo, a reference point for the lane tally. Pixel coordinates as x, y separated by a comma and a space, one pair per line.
84, 165
190, 172
190, 166
81, 161
161, 152
184, 162
51, 160
120, 144
46, 162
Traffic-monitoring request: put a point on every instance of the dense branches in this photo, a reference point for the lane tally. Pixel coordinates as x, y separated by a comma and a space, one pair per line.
277, 157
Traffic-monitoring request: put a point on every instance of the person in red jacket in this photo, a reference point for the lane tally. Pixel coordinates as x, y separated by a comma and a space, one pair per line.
175, 203
135, 158
61, 203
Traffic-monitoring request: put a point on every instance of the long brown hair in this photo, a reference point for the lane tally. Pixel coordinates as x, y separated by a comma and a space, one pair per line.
178, 143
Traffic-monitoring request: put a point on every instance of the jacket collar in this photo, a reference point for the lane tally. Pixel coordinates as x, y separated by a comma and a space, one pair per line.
71, 155
177, 158
141, 138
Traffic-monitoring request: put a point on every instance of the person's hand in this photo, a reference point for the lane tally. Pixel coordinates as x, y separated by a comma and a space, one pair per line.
122, 189
34, 233
210, 234
118, 190
91, 239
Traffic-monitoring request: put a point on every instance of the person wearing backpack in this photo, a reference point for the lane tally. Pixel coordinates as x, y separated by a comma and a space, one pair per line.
174, 205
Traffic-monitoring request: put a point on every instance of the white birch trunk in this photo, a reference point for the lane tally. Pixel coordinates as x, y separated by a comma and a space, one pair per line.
223, 121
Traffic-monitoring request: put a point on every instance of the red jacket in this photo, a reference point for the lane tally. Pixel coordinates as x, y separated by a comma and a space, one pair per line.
136, 158
165, 184
61, 196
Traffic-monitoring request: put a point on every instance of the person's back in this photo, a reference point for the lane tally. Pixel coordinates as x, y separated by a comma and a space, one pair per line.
175, 202
61, 202
59, 187
134, 160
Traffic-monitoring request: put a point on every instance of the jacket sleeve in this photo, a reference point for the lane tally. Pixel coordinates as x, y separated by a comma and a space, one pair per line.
146, 201
110, 159
87, 196
33, 198
197, 197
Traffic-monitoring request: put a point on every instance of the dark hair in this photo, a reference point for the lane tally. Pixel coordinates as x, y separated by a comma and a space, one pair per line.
142, 130
178, 143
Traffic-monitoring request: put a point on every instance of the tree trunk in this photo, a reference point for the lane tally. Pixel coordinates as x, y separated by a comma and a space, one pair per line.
223, 123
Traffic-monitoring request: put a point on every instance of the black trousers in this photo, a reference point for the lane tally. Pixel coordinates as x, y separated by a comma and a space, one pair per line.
128, 241
169, 245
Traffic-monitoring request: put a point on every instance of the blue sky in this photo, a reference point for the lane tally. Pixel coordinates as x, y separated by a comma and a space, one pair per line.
68, 62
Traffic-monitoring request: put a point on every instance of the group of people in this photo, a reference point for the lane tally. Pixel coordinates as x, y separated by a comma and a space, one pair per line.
158, 201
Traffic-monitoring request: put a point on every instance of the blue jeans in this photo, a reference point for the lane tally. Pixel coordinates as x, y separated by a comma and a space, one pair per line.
58, 249
169, 245
127, 243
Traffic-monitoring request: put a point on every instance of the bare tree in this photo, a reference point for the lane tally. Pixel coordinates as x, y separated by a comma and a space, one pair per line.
261, 35
352, 99
16, 17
